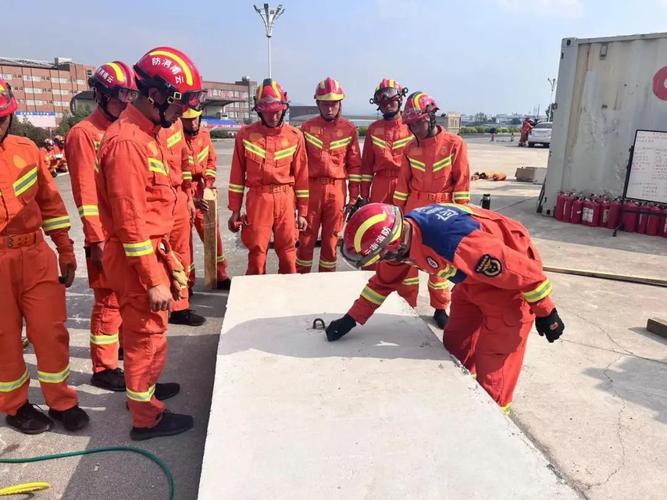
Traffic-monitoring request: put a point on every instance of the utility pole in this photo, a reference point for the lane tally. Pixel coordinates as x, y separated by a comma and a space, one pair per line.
269, 17
552, 84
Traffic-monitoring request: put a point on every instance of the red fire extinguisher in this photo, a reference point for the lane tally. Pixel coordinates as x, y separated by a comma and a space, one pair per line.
663, 222
642, 218
577, 211
629, 221
653, 222
604, 212
614, 214
560, 204
568, 199
591, 212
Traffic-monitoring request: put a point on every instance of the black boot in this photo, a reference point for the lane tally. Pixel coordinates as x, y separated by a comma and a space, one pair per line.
170, 425
441, 317
187, 317
73, 419
166, 390
111, 380
29, 420
224, 284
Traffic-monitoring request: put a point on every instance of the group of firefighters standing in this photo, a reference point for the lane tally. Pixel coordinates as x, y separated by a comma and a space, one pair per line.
139, 165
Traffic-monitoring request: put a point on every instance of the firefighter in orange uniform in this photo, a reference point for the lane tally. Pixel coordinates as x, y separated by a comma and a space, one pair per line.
385, 144
332, 145
434, 170
137, 203
47, 154
114, 87
180, 238
203, 163
59, 156
500, 289
30, 289
270, 159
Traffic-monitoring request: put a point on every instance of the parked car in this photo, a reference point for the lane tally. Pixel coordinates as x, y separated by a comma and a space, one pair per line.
541, 134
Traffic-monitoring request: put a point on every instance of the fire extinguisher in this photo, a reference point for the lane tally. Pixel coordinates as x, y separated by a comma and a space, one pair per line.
642, 218
577, 211
614, 214
653, 222
629, 221
663, 222
560, 205
604, 212
568, 199
591, 212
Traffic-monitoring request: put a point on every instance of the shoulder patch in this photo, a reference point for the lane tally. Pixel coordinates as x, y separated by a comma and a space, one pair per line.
431, 262
489, 266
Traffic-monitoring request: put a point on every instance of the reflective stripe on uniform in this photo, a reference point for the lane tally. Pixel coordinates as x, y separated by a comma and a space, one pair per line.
104, 339
461, 195
372, 296
203, 154
191, 268
236, 188
191, 160
56, 223
187, 176
141, 397
411, 281
378, 142
543, 290
89, 211
12, 385
402, 142
440, 164
340, 143
284, 153
366, 178
209, 172
314, 140
218, 259
138, 249
302, 193
25, 182
155, 165
174, 139
400, 196
447, 272
437, 286
304, 263
354, 178
506, 408
254, 148
417, 165
53, 377
327, 264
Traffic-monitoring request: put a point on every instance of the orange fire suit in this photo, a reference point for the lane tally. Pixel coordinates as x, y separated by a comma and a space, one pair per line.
81, 146
203, 163
333, 156
137, 207
47, 157
272, 163
500, 288
434, 170
180, 173
29, 287
381, 160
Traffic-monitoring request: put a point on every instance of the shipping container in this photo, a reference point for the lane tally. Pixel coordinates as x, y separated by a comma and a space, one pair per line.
607, 89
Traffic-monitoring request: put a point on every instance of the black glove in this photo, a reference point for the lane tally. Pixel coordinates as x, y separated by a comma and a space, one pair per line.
551, 326
339, 327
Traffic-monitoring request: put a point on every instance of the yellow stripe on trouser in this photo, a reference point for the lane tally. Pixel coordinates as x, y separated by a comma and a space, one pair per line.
540, 292
354, 178
303, 263
372, 296
437, 286
302, 193
141, 397
327, 264
53, 377
399, 195
12, 385
218, 259
104, 339
410, 281
461, 195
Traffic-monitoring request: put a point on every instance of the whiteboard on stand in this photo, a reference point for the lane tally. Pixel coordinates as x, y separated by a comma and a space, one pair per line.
648, 171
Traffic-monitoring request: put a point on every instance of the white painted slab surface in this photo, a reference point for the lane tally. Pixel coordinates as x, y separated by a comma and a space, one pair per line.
383, 413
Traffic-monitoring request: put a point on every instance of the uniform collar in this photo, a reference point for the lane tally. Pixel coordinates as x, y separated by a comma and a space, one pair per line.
132, 113
324, 123
429, 141
264, 130
99, 119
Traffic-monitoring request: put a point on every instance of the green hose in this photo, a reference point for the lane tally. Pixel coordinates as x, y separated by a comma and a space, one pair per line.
147, 454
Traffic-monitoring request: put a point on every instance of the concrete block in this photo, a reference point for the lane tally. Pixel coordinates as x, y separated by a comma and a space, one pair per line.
535, 175
657, 326
383, 413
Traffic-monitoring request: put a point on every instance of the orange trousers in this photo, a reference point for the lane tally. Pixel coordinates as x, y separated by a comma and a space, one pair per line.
487, 331
270, 210
383, 187
30, 291
220, 254
105, 321
144, 335
180, 239
438, 291
325, 209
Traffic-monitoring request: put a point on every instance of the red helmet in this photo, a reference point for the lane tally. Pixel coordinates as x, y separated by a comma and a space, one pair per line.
7, 100
419, 106
270, 97
329, 90
115, 79
387, 91
372, 231
171, 71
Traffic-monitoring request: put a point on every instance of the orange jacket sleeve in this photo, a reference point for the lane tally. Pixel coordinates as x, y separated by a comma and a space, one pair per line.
403, 187
82, 160
353, 164
367, 162
210, 163
125, 177
387, 278
237, 176
186, 168
55, 220
300, 173
461, 175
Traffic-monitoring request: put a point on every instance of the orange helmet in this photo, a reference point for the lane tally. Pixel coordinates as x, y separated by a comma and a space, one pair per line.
115, 79
172, 72
7, 100
329, 90
386, 91
270, 97
373, 231
419, 106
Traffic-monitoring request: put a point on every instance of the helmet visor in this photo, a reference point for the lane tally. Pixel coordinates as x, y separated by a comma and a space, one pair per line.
194, 99
126, 95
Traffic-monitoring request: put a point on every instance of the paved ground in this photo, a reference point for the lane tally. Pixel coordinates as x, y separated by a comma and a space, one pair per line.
596, 402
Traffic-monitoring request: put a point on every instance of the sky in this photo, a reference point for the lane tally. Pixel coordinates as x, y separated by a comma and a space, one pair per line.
491, 56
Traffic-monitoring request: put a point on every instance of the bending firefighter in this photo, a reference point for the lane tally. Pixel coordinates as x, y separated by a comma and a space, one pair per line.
332, 145
31, 290
500, 289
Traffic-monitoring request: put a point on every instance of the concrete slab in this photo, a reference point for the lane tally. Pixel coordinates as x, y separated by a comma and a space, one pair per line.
383, 413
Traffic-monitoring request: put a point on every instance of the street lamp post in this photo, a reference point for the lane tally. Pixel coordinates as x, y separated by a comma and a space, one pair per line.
269, 17
552, 84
